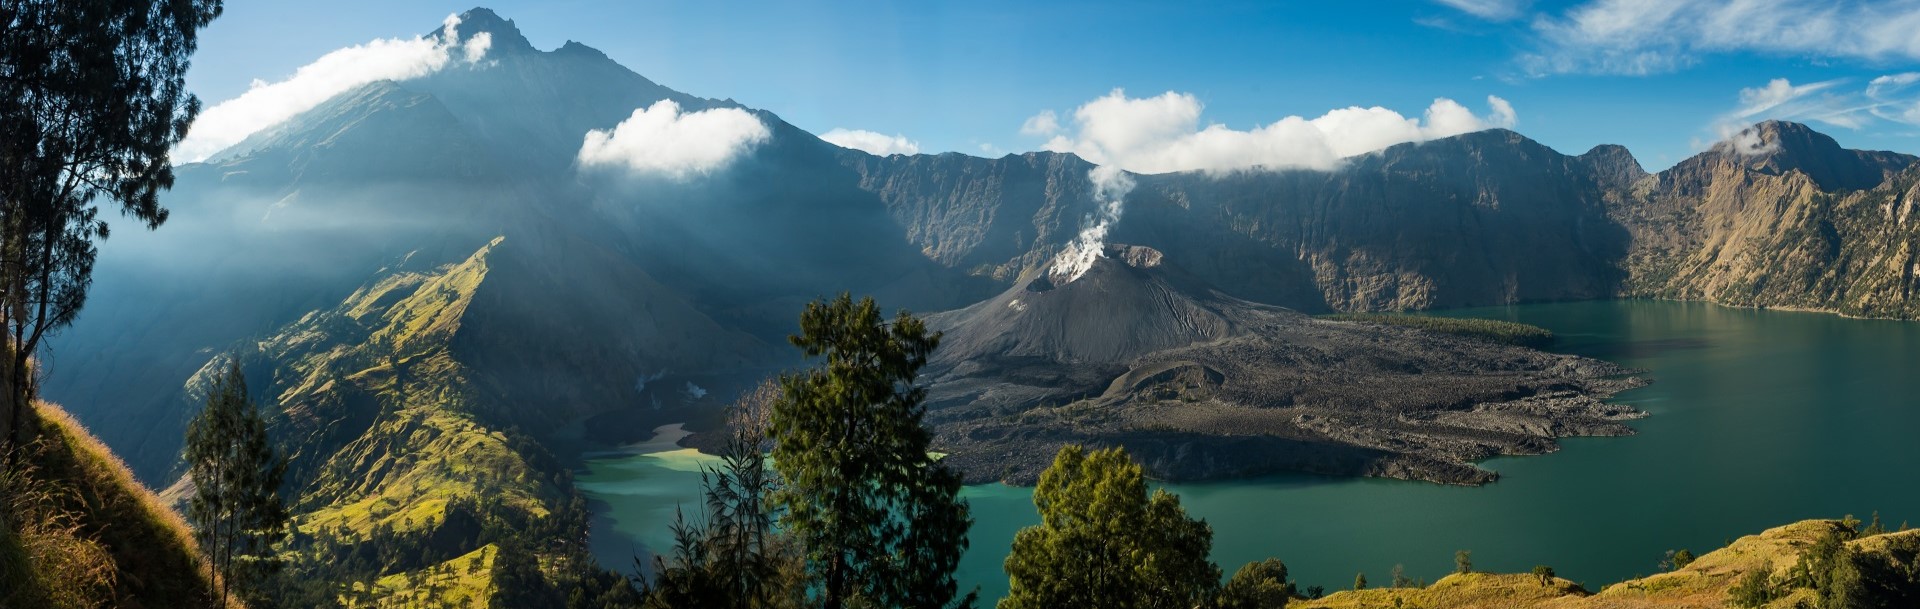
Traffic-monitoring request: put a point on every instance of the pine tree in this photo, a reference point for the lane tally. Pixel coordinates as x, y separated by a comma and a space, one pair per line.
881, 520
1104, 543
236, 506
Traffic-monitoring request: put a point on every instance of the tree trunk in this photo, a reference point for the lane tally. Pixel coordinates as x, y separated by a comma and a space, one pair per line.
19, 393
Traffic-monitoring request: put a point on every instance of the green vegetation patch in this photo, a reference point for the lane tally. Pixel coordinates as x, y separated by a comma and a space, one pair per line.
1505, 332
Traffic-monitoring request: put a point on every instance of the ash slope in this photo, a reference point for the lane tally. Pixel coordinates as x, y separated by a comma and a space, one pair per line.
1198, 384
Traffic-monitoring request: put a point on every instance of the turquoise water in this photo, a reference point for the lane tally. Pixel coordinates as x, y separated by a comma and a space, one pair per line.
1760, 418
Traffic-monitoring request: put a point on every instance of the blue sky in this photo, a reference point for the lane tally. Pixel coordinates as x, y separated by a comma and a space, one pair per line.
1662, 77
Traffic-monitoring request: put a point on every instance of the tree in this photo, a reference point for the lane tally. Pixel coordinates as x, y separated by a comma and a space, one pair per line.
236, 506
1677, 559
1463, 562
1544, 574
734, 559
1400, 579
880, 518
1755, 589
92, 98
1874, 527
1104, 543
1360, 581
517, 580
1258, 585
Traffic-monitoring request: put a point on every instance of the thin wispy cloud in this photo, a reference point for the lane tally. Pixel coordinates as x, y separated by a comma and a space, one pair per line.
266, 104
874, 143
1655, 36
1493, 10
1163, 133
1889, 99
662, 141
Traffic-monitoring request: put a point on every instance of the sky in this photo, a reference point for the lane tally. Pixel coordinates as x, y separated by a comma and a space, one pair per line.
1154, 86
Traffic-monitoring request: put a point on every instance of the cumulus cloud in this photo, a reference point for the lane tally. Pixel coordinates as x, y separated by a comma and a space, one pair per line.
267, 104
1494, 10
879, 144
663, 141
1653, 36
1044, 124
1163, 133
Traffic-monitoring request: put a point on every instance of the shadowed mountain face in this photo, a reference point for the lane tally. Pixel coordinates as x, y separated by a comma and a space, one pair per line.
1198, 384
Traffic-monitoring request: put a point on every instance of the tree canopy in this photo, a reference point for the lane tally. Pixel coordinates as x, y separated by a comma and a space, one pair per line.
880, 518
1103, 542
92, 98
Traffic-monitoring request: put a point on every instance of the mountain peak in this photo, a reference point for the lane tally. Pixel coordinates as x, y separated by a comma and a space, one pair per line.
506, 36
1613, 166
1776, 147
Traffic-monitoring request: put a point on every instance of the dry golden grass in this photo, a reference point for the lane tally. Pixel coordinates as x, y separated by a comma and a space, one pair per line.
1700, 585
94, 536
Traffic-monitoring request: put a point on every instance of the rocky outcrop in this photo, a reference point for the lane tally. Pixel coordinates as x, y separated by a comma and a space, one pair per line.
1787, 220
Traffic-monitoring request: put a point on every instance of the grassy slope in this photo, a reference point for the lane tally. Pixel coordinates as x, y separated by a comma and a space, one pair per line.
461, 582
151, 550
378, 414
1702, 585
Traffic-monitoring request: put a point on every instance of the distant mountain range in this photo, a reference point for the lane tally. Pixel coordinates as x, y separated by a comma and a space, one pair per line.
423, 268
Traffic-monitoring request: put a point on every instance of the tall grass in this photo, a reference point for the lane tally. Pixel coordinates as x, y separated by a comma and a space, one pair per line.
81, 531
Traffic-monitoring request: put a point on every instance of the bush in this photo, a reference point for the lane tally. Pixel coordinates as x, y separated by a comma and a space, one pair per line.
1258, 585
1753, 590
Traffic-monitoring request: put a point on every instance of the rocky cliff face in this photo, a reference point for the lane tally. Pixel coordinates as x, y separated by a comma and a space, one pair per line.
1483, 218
1785, 219
1779, 215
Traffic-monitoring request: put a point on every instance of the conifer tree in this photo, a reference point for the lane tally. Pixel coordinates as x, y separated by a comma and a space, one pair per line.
881, 520
236, 507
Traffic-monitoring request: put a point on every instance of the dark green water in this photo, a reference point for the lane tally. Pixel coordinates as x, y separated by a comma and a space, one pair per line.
1760, 418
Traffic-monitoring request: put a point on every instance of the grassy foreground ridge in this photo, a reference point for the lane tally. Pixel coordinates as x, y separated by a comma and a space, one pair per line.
80, 531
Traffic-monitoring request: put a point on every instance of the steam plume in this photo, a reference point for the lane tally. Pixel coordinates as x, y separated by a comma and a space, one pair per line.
1110, 188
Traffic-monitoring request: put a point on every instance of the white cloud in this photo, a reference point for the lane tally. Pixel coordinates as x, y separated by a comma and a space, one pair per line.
1163, 133
1495, 10
879, 144
661, 140
1652, 36
1892, 98
1888, 98
1044, 124
267, 104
